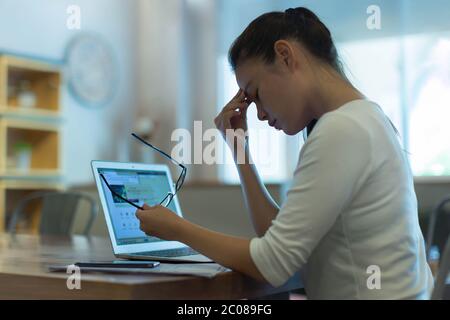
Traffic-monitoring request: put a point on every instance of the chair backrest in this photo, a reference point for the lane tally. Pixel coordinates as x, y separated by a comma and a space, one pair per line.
439, 225
442, 275
58, 211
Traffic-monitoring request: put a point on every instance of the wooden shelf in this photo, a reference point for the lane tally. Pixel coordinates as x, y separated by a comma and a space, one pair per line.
30, 113
28, 124
28, 64
29, 120
31, 185
33, 173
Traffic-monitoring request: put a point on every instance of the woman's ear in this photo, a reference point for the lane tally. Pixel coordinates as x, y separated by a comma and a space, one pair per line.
285, 53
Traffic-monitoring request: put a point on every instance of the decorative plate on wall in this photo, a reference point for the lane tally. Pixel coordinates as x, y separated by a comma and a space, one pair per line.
91, 70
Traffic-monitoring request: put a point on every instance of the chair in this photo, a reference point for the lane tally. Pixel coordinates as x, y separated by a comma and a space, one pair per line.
441, 279
442, 228
57, 212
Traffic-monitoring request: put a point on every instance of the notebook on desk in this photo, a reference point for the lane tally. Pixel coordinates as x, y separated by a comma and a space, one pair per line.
207, 270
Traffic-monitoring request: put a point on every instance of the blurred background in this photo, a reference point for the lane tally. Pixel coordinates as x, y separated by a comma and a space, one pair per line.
77, 77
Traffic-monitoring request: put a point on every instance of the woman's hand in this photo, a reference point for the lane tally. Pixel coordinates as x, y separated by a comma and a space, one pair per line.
229, 251
160, 222
234, 117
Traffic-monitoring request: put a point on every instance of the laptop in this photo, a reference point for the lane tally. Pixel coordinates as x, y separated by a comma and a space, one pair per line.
139, 183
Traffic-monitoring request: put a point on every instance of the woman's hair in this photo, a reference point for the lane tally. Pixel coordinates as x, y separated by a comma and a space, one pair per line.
301, 24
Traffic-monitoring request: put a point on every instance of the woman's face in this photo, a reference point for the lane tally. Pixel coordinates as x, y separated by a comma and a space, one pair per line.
280, 92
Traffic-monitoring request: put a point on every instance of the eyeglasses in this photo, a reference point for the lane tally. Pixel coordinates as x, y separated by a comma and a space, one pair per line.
168, 198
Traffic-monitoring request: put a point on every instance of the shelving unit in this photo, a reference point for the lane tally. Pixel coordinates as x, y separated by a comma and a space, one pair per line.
30, 116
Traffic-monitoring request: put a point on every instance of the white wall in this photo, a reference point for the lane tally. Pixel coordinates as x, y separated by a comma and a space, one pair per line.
201, 18
38, 28
158, 52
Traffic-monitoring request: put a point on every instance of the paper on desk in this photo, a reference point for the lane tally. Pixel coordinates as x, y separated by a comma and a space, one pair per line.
207, 270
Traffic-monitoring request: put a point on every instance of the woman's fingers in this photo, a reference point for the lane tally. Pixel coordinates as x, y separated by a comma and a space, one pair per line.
227, 115
237, 94
244, 112
234, 106
238, 102
224, 122
239, 97
146, 206
230, 109
234, 114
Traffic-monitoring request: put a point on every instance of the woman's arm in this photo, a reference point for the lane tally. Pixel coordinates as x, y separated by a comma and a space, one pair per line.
229, 251
263, 209
260, 204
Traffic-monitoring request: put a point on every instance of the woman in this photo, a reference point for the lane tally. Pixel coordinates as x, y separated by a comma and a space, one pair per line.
350, 220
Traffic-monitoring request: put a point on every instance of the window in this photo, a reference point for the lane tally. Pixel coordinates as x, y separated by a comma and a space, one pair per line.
373, 68
428, 79
409, 77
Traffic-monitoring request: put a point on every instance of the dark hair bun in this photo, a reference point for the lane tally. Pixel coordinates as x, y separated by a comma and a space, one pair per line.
300, 23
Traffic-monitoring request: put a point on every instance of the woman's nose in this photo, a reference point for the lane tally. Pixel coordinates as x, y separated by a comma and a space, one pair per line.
261, 114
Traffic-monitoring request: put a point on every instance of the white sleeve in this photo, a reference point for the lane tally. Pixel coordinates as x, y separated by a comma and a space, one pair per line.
333, 164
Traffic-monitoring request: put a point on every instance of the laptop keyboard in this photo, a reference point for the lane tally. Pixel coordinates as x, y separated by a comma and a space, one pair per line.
169, 253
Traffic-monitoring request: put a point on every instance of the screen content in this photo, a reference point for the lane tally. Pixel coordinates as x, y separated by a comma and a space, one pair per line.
139, 187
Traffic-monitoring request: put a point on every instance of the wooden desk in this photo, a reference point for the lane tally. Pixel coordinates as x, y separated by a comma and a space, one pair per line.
23, 274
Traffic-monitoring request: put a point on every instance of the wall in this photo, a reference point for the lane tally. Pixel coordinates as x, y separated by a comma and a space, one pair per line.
38, 28
158, 57
177, 78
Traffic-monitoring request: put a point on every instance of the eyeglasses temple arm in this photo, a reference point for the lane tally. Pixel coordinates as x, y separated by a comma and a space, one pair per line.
118, 195
160, 151
168, 195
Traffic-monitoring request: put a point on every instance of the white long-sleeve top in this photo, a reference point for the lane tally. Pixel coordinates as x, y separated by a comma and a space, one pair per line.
351, 211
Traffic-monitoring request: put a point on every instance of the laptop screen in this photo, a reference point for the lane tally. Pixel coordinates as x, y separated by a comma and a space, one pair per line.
139, 187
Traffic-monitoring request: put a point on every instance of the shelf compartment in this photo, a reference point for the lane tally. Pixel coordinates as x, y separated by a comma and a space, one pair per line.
41, 79
44, 140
